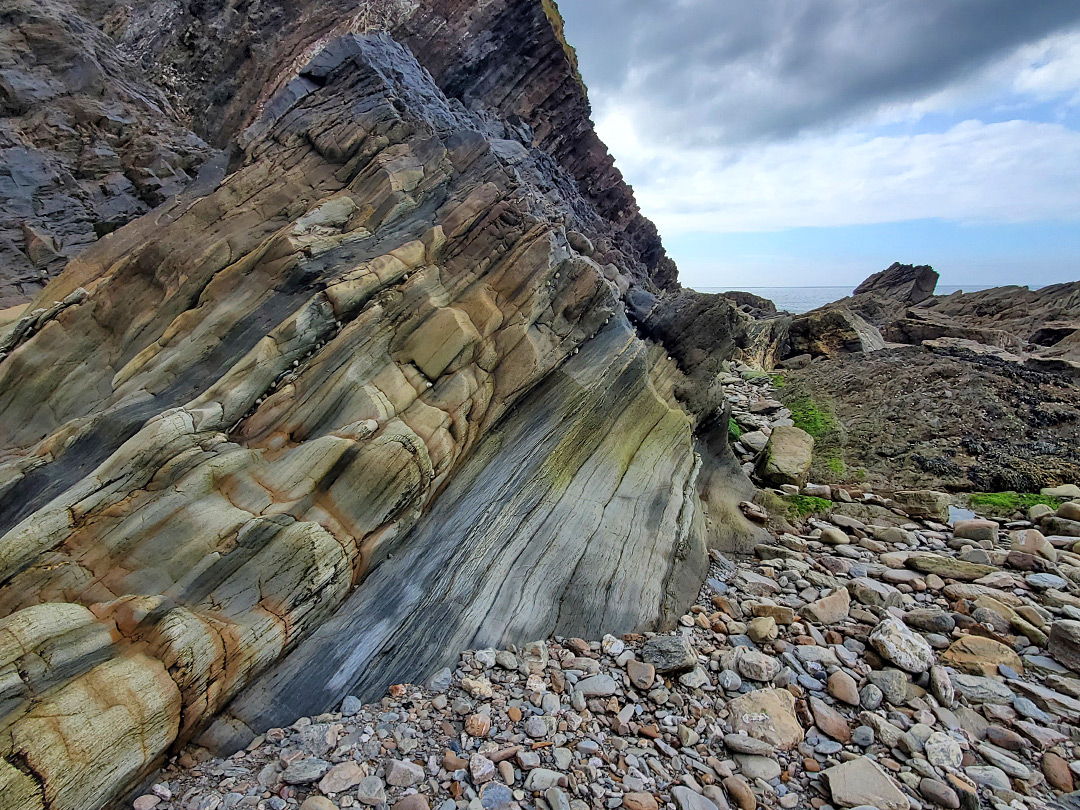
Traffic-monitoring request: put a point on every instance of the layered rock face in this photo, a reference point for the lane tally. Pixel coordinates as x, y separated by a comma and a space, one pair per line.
111, 108
313, 427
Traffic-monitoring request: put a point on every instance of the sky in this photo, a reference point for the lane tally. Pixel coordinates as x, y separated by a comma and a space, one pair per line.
814, 142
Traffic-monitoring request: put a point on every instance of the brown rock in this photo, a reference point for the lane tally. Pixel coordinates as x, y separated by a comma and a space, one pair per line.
1064, 643
454, 762
639, 801
1005, 738
767, 714
980, 656
830, 609
641, 674
843, 687
341, 777
740, 793
830, 721
939, 793
415, 801
1057, 773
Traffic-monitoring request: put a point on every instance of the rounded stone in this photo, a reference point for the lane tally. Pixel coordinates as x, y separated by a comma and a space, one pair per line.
939, 793
740, 793
843, 687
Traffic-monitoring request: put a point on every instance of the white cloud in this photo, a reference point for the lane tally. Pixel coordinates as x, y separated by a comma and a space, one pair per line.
1014, 171
988, 170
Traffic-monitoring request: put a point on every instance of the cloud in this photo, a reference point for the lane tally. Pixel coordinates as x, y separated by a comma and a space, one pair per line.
761, 116
1012, 171
700, 72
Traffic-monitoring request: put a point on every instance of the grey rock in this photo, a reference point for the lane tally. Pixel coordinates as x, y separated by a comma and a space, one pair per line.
758, 767
598, 686
370, 791
687, 799
402, 773
669, 653
899, 645
541, 779
305, 771
440, 681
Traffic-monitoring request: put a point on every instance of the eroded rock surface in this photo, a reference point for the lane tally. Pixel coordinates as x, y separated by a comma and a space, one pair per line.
368, 399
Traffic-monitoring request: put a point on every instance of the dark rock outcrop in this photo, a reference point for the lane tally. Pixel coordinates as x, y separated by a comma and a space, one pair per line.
906, 283
368, 397
86, 142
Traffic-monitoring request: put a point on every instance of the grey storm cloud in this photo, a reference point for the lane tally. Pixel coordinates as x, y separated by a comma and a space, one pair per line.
738, 71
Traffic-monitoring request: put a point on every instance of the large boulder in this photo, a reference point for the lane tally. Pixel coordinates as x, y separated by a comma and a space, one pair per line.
272, 415
831, 331
787, 457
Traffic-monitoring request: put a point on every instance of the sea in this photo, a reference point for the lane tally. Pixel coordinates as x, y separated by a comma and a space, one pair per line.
803, 299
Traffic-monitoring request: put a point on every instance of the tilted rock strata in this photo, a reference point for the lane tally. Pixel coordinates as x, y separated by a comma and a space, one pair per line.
715, 715
110, 108
365, 379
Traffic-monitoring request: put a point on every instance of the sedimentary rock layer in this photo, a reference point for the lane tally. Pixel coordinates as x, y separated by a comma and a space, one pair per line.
367, 401
110, 108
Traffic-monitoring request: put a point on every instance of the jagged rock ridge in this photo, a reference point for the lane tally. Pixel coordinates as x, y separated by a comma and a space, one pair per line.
313, 427
110, 108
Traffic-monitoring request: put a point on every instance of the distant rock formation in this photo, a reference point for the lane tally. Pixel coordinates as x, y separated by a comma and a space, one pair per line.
906, 283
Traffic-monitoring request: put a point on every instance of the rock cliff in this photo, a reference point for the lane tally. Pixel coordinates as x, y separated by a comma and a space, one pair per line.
362, 393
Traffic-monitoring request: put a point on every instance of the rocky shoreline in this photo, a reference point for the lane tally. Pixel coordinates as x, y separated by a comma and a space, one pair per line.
333, 343
894, 661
